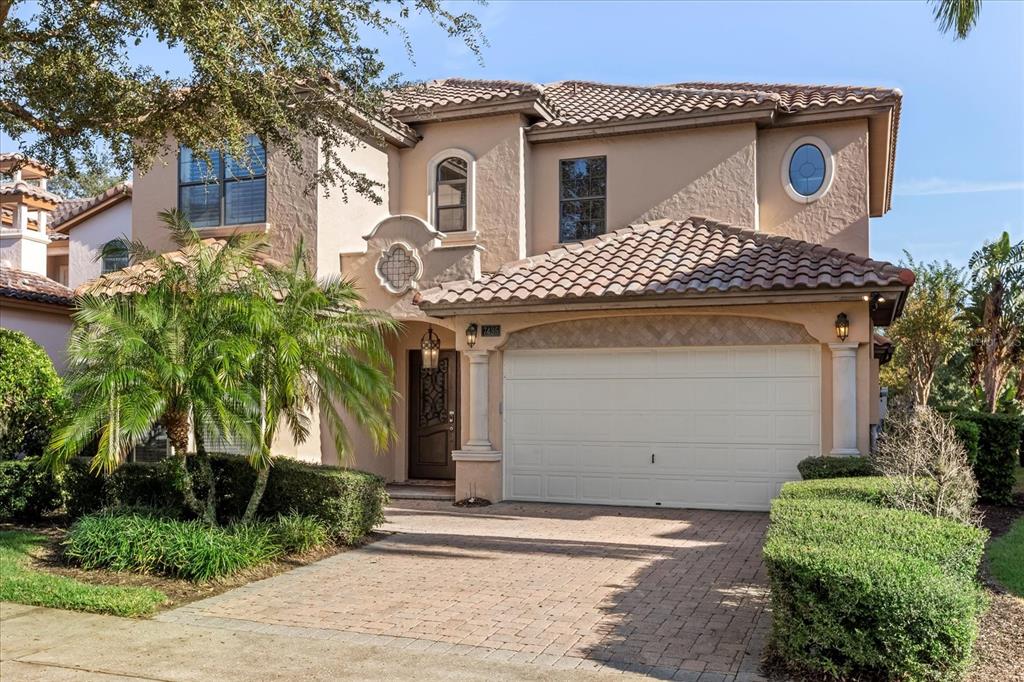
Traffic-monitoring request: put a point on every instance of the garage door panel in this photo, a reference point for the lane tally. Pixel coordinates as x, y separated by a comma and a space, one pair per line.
727, 426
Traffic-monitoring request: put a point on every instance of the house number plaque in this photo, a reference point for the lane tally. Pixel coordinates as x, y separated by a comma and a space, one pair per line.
490, 330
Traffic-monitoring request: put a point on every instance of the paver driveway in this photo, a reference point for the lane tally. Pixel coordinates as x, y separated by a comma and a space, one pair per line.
673, 593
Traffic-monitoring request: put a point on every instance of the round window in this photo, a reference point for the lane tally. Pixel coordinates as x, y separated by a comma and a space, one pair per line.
807, 170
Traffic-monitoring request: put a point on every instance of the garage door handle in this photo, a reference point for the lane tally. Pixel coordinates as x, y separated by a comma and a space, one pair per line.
652, 458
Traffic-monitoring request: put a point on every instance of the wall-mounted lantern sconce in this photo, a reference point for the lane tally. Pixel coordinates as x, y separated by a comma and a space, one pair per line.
842, 326
430, 347
471, 334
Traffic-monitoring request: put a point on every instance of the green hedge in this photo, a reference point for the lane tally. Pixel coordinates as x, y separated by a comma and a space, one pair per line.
999, 438
348, 503
835, 467
27, 490
969, 434
31, 396
861, 591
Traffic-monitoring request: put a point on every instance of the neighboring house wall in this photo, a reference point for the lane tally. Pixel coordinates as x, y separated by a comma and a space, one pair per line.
840, 217
496, 145
708, 172
86, 240
46, 325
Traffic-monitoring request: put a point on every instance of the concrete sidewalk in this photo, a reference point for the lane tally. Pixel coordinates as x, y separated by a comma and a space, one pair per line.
47, 644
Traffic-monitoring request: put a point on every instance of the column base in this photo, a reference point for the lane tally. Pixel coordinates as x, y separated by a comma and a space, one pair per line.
476, 455
845, 452
479, 478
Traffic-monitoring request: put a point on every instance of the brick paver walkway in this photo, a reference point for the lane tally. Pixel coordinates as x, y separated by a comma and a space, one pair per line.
672, 593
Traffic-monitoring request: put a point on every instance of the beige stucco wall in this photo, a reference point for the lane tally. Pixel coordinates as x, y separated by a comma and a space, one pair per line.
344, 218
840, 217
49, 327
497, 144
706, 172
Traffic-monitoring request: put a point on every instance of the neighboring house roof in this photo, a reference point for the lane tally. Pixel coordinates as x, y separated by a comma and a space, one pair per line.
667, 257
576, 107
882, 348
135, 278
24, 189
28, 286
71, 211
31, 168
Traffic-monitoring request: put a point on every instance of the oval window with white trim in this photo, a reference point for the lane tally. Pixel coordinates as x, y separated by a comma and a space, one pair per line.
807, 169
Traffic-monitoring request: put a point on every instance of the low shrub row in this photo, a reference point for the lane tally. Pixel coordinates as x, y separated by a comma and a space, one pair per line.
862, 591
835, 467
348, 503
997, 453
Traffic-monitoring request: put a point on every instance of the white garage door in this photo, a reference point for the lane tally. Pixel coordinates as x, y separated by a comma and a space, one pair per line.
716, 428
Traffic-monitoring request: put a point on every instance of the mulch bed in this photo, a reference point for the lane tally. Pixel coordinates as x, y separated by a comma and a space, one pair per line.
179, 592
998, 650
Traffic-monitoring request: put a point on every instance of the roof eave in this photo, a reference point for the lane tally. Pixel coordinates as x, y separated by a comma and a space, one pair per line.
111, 201
762, 115
686, 300
530, 106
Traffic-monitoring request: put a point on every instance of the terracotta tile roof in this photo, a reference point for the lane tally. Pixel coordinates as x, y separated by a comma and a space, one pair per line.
28, 286
70, 208
794, 98
33, 167
449, 92
581, 102
137, 277
23, 188
695, 256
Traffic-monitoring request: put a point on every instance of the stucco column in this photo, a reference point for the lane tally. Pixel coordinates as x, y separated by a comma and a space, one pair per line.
479, 439
844, 398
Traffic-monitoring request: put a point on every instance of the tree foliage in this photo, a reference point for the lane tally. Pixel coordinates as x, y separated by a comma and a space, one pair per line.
95, 177
996, 314
31, 396
283, 69
930, 330
959, 16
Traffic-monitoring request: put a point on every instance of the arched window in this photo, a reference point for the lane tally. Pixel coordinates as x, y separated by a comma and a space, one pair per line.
115, 256
451, 195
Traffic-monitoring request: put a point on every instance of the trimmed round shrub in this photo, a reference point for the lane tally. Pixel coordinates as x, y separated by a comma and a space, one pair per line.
31, 396
862, 591
28, 490
835, 467
999, 441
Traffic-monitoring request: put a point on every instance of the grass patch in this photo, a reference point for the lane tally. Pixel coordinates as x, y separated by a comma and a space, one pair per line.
24, 585
1006, 559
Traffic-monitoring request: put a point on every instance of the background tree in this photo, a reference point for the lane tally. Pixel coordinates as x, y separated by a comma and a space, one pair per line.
959, 16
930, 330
270, 67
95, 177
318, 351
31, 396
996, 313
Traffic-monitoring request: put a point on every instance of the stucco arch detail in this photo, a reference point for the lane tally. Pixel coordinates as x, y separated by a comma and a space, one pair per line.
660, 331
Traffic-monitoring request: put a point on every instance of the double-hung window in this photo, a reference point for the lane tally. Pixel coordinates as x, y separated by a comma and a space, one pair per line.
225, 191
582, 196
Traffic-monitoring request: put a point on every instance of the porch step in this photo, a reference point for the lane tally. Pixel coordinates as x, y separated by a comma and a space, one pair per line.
418, 489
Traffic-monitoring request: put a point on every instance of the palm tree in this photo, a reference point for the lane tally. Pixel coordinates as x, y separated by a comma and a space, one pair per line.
166, 353
956, 15
318, 350
996, 312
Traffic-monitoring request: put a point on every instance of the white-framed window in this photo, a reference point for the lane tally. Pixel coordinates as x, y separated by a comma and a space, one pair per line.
807, 169
451, 196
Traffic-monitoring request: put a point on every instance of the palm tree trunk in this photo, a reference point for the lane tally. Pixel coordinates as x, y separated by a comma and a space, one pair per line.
262, 476
209, 511
176, 425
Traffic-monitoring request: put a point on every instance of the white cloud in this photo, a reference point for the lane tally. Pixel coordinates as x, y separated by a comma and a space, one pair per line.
934, 186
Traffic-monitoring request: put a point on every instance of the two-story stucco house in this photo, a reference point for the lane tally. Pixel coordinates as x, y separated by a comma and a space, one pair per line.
610, 294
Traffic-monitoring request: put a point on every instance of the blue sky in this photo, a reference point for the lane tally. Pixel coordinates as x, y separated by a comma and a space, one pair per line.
960, 157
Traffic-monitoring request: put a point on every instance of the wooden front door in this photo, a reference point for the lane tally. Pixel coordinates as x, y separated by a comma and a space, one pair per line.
433, 416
